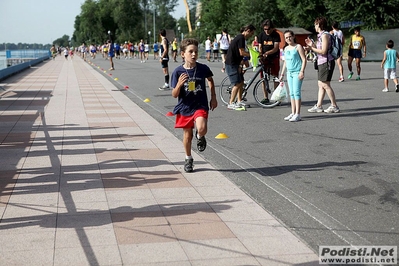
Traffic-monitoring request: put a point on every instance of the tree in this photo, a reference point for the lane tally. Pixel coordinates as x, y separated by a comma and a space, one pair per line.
302, 13
90, 26
63, 41
165, 8
374, 14
129, 27
233, 14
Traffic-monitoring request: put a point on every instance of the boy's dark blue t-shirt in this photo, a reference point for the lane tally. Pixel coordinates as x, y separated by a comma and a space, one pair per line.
190, 101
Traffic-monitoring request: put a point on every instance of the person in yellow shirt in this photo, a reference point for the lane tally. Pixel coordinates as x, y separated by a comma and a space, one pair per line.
174, 50
356, 44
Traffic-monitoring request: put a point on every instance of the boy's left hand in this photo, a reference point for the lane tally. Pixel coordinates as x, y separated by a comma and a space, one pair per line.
213, 103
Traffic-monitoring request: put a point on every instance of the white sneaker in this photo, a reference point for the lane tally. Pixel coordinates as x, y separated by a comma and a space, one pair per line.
315, 109
236, 107
164, 87
287, 118
332, 109
231, 106
385, 90
241, 104
295, 118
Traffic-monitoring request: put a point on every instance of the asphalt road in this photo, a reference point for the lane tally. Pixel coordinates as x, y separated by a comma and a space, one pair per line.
331, 178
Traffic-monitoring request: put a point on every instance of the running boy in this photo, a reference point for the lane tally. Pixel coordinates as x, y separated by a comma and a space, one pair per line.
389, 65
188, 85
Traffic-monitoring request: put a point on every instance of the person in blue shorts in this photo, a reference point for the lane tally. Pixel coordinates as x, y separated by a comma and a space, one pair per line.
156, 50
111, 53
189, 86
389, 65
234, 58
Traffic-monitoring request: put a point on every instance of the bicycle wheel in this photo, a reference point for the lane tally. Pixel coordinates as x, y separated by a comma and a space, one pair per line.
260, 96
225, 90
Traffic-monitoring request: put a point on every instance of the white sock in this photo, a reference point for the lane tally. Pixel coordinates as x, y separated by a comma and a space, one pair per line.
189, 157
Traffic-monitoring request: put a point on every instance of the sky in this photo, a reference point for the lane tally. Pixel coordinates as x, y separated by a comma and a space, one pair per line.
43, 21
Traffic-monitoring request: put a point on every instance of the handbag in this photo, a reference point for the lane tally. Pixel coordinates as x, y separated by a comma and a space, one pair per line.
280, 93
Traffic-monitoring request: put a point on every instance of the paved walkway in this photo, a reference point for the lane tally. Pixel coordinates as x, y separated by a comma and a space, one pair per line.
89, 178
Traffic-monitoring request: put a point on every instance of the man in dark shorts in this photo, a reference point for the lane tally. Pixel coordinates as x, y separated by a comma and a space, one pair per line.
234, 56
269, 47
164, 59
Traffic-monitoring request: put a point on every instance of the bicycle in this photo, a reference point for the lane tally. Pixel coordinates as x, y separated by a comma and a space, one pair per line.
258, 92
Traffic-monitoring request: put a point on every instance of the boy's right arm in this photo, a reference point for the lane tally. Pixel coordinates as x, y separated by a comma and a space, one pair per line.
383, 60
180, 82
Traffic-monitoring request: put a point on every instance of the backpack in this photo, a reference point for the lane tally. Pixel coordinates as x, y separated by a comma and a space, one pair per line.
335, 49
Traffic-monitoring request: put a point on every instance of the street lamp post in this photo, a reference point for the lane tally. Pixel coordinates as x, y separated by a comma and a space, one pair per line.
153, 24
109, 35
149, 37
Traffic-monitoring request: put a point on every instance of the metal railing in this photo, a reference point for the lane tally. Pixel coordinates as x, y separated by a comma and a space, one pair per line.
14, 61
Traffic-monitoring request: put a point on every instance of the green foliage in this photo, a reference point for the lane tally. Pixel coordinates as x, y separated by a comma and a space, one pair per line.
302, 13
63, 41
374, 14
127, 20
233, 14
128, 25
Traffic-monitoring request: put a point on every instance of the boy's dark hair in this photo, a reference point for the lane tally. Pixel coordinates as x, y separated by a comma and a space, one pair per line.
335, 25
162, 32
186, 42
390, 44
357, 29
322, 23
268, 22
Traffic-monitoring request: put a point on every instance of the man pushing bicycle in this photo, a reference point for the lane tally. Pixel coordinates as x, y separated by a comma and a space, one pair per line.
269, 46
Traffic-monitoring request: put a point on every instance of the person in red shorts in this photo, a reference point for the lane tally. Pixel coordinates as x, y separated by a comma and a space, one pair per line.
188, 85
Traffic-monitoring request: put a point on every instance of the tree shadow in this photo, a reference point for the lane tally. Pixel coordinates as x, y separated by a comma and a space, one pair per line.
284, 169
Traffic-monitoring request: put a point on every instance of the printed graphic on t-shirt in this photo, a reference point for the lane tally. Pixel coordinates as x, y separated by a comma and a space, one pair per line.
190, 86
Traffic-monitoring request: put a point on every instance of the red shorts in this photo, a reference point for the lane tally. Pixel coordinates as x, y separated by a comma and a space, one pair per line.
274, 66
188, 121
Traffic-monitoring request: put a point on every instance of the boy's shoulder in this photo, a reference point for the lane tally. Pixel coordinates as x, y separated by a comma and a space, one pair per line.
203, 66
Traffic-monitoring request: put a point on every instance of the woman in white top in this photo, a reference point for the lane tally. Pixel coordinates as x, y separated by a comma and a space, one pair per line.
337, 32
224, 43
